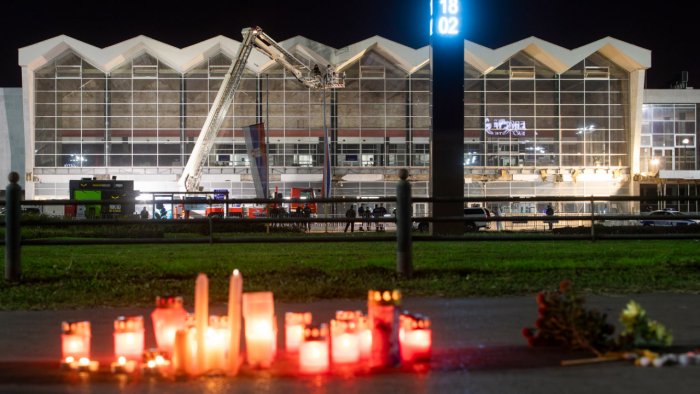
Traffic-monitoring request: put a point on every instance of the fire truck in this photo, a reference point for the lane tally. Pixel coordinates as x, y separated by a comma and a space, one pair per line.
302, 194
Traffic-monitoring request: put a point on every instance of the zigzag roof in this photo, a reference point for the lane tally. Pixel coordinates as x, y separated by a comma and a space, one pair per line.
627, 56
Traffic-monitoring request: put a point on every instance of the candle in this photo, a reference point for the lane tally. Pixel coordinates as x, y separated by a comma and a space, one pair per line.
122, 365
168, 317
384, 323
180, 352
235, 290
75, 341
128, 337
365, 334
294, 323
217, 343
345, 340
201, 318
415, 337
260, 332
155, 363
313, 352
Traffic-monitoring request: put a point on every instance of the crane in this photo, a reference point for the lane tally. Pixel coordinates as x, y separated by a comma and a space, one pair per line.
252, 37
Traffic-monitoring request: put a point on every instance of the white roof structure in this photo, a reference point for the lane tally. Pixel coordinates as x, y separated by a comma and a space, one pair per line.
627, 56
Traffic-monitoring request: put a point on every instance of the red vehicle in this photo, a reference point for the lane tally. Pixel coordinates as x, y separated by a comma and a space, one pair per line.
303, 194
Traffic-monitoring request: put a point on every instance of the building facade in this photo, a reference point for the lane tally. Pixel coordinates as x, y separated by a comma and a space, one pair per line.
539, 120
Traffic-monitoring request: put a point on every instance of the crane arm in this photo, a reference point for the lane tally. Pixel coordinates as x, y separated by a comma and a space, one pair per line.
314, 79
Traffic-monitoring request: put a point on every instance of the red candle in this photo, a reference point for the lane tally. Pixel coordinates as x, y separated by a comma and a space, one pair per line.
415, 336
75, 341
294, 323
313, 352
168, 317
345, 337
384, 323
128, 337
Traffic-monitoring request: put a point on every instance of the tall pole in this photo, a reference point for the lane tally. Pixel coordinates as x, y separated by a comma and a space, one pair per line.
326, 161
13, 255
447, 106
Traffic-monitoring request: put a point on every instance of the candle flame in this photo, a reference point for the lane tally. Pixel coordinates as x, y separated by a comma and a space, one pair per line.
236, 272
121, 360
84, 361
70, 359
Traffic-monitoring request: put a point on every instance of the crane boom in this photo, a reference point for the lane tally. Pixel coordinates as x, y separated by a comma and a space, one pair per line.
189, 180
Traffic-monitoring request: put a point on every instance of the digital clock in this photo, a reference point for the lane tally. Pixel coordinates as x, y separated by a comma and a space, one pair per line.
445, 17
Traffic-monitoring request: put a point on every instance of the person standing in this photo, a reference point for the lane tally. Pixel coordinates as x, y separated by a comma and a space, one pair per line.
550, 212
497, 212
144, 213
307, 215
361, 215
350, 215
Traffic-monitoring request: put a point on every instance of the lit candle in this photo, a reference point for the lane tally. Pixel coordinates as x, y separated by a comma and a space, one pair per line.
415, 336
365, 334
180, 352
155, 363
345, 340
168, 317
201, 318
122, 365
217, 343
235, 290
260, 333
75, 341
128, 337
313, 352
294, 323
384, 323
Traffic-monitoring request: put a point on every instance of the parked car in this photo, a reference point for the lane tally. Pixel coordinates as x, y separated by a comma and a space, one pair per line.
668, 218
476, 218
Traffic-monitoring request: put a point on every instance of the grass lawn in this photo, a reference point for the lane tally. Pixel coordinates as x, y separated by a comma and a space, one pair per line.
122, 275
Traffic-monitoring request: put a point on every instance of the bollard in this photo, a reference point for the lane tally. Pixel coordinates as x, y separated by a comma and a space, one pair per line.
13, 260
404, 257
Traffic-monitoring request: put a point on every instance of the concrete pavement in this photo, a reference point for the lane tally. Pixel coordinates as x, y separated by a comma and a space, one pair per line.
478, 348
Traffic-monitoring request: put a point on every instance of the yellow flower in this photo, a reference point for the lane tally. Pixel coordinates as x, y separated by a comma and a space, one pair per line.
631, 313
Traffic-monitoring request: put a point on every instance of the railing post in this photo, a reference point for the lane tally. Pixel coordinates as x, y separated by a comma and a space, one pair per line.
13, 236
404, 257
592, 219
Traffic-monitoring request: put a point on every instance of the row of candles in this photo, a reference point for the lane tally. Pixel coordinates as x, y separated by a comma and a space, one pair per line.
201, 344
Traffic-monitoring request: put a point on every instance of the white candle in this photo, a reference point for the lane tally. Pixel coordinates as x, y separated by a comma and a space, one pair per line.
235, 290
217, 343
313, 352
201, 316
260, 333
129, 337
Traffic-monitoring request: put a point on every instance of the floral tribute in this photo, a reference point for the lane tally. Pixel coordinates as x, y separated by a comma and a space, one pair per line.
564, 321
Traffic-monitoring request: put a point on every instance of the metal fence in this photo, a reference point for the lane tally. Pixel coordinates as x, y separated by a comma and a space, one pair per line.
330, 223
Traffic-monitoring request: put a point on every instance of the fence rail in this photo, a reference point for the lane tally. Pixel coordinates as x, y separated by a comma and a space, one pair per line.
328, 227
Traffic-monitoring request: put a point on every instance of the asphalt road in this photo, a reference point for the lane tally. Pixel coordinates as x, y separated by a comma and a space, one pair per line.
478, 348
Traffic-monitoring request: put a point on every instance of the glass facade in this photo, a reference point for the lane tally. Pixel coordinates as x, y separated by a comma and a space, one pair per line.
145, 114
524, 114
669, 134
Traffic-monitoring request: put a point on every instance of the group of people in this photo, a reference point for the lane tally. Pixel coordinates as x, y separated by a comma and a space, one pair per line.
305, 213
365, 214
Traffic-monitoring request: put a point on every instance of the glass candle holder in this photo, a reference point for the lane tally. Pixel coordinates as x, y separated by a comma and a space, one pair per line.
383, 313
217, 343
260, 328
345, 337
313, 352
129, 337
294, 323
75, 341
415, 336
168, 317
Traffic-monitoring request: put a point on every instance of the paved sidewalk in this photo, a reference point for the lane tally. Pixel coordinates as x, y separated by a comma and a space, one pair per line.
478, 348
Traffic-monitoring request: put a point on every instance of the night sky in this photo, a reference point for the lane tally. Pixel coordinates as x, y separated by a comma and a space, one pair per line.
667, 29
